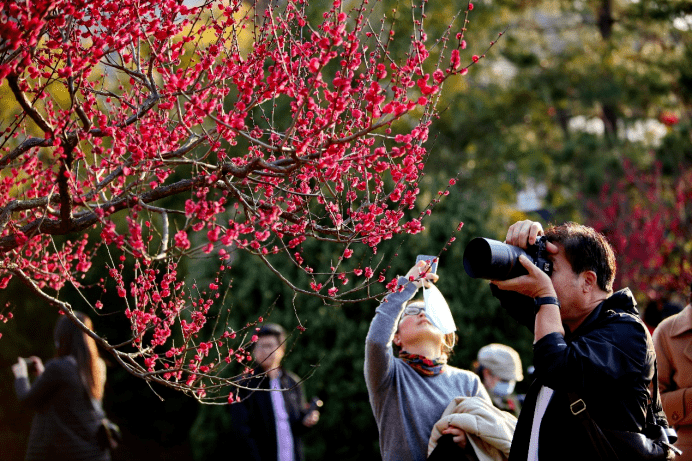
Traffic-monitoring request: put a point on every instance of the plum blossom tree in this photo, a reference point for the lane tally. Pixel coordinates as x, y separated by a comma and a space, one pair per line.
647, 218
146, 133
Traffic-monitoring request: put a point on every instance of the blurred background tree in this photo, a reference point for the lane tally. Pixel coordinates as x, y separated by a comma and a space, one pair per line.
587, 107
582, 112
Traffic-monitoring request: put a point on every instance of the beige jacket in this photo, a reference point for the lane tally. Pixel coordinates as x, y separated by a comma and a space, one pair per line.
672, 341
489, 430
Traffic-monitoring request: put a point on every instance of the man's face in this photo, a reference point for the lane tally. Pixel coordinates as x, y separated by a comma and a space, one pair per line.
565, 282
268, 352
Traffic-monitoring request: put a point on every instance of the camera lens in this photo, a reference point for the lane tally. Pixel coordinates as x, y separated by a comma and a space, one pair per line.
490, 259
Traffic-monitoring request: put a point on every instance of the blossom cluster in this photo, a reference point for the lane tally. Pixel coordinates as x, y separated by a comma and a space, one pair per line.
644, 215
270, 127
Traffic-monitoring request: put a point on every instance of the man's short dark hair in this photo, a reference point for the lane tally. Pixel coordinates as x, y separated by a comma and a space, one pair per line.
586, 250
274, 330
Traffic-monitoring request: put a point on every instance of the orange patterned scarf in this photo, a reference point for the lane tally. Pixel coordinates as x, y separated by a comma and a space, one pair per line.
421, 364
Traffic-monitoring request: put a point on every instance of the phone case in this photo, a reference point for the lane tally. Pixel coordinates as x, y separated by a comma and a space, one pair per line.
431, 259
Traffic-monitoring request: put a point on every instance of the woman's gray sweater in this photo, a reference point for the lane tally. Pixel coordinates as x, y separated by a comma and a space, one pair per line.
405, 404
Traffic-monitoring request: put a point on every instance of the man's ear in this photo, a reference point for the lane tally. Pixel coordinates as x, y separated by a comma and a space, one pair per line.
397, 340
589, 281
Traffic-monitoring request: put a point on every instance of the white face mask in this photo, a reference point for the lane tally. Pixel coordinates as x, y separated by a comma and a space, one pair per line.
503, 389
438, 311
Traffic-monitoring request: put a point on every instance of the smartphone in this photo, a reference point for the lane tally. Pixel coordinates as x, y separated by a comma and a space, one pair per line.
431, 260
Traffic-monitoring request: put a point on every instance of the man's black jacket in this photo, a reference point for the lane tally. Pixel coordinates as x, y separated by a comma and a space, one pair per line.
253, 424
608, 361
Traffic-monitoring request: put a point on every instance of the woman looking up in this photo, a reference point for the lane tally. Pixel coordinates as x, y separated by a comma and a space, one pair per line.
409, 392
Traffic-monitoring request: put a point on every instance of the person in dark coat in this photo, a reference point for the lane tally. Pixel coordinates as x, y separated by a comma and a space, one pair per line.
588, 340
272, 414
66, 397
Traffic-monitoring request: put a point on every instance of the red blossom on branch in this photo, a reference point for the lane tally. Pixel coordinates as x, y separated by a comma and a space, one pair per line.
668, 118
204, 131
647, 218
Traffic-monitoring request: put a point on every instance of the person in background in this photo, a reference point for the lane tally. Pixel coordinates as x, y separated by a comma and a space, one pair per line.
500, 368
672, 341
408, 392
66, 396
658, 310
272, 415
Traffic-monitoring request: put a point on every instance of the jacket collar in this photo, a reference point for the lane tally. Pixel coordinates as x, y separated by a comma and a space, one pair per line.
622, 300
681, 323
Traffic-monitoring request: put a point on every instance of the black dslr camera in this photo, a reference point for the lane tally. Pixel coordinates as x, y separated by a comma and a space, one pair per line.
488, 259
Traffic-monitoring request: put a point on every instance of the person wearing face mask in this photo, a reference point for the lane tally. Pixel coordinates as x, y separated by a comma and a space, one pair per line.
500, 368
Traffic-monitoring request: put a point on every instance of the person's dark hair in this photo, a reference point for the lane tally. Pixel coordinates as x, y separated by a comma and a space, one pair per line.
586, 250
652, 315
274, 330
70, 340
670, 309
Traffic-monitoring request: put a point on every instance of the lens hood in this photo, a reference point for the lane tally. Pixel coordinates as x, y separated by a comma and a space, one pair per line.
490, 259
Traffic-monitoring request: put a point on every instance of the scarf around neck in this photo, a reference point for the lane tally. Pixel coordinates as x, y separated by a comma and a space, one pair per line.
421, 364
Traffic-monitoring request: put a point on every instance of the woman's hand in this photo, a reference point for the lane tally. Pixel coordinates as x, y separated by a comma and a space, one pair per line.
416, 272
458, 435
38, 364
20, 370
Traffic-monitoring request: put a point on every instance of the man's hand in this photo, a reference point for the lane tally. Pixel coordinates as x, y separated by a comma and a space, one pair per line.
458, 435
535, 284
524, 233
311, 418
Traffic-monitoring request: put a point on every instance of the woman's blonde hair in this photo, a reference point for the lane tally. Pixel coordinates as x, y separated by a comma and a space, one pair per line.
449, 344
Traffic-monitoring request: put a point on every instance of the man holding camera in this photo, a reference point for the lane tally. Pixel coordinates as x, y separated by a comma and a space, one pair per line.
589, 343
